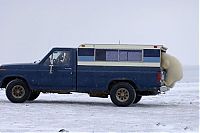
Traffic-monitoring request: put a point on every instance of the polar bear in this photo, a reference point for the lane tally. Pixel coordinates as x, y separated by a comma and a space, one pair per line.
173, 68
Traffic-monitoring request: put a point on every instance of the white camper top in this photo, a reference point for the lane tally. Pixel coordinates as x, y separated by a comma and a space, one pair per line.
122, 46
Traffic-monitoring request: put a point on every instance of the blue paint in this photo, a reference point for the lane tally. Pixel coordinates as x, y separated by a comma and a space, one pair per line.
85, 58
151, 59
97, 78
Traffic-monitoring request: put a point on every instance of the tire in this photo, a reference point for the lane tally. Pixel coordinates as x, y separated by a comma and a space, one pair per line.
17, 91
137, 99
33, 95
122, 94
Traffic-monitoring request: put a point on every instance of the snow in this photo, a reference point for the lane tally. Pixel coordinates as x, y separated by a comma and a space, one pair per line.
175, 111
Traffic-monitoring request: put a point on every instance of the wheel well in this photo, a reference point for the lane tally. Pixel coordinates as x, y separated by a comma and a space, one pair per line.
8, 79
112, 83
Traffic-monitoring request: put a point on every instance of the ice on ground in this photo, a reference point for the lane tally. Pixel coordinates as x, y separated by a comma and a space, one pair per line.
177, 110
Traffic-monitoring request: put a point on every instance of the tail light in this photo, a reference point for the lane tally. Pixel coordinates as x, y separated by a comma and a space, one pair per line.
158, 76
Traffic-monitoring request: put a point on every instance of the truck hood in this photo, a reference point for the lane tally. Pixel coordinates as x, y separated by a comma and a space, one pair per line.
19, 66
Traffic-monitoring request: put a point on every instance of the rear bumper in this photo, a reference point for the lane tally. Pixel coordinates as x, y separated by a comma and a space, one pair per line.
164, 88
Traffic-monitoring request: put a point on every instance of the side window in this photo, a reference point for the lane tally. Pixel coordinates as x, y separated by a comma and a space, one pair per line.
58, 58
114, 55
100, 55
130, 55
111, 55
85, 54
135, 55
123, 55
106, 55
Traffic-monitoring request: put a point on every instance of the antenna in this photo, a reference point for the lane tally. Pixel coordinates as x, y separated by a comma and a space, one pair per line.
119, 41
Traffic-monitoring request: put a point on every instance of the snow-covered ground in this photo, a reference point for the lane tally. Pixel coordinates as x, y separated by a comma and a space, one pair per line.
177, 110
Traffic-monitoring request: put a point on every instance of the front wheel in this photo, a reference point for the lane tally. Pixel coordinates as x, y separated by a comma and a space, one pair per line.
17, 91
122, 94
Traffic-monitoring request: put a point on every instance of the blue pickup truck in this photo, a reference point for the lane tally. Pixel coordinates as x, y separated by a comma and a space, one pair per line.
125, 72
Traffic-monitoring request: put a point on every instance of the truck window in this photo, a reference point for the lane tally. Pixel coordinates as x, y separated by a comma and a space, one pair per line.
130, 55
106, 55
115, 55
111, 55
100, 55
85, 54
123, 55
58, 58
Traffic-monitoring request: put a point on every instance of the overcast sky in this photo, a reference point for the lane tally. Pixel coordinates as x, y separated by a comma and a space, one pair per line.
30, 28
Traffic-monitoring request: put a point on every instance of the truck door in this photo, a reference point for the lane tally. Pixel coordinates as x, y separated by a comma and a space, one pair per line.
56, 72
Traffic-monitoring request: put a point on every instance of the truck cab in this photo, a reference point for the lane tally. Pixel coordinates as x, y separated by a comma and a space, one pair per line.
125, 72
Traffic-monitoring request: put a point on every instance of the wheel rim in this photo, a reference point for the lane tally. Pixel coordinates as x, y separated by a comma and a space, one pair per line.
18, 91
122, 94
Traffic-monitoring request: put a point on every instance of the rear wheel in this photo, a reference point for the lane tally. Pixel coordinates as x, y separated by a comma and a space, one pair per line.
17, 91
122, 94
137, 99
33, 95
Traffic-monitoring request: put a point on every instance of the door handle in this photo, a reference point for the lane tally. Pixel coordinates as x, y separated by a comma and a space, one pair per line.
68, 68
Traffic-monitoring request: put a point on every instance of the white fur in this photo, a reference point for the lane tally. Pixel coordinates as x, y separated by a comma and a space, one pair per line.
173, 68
